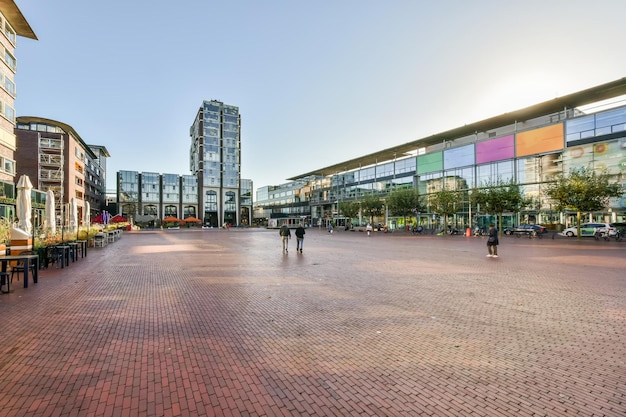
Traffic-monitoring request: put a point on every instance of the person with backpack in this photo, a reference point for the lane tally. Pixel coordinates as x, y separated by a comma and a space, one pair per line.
492, 242
285, 235
299, 237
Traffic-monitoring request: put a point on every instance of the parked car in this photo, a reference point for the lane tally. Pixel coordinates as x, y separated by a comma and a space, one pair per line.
619, 228
590, 229
525, 229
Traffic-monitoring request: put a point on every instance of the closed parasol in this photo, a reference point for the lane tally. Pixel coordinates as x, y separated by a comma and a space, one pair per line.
24, 204
51, 220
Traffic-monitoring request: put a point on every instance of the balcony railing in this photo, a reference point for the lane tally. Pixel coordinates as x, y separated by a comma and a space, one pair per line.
46, 159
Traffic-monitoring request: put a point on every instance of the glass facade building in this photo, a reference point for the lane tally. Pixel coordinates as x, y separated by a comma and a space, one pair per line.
529, 151
215, 159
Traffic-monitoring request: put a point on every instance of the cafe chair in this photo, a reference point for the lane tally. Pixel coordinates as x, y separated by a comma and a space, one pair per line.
53, 256
4, 280
100, 240
19, 267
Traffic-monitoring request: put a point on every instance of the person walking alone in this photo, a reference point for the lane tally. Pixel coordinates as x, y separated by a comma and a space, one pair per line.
492, 242
285, 235
299, 237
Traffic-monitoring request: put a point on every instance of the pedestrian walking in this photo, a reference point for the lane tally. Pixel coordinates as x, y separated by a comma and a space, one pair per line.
285, 235
492, 242
330, 228
369, 229
299, 237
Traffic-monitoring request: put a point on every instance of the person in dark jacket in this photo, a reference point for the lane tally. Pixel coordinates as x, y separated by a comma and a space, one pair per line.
299, 237
285, 235
492, 242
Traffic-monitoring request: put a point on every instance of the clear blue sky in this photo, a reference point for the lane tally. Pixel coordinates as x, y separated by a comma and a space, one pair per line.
316, 82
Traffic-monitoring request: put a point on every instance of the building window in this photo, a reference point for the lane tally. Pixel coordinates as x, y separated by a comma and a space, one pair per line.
9, 86
9, 32
230, 203
8, 112
170, 211
10, 60
8, 165
211, 201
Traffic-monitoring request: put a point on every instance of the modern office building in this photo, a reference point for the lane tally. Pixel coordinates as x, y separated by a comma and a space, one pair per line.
528, 146
56, 158
147, 197
215, 159
12, 25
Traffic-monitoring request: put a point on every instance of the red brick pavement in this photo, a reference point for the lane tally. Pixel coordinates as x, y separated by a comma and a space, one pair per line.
221, 323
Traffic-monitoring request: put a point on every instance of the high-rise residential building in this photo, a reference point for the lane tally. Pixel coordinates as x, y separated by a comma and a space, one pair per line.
12, 24
215, 159
56, 158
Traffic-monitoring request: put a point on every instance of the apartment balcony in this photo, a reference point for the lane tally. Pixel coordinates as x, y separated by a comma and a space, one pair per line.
50, 175
51, 144
50, 159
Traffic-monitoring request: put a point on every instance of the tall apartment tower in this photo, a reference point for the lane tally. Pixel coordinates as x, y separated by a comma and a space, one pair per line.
215, 159
12, 24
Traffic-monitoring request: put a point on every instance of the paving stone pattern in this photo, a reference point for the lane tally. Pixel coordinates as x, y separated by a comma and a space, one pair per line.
222, 323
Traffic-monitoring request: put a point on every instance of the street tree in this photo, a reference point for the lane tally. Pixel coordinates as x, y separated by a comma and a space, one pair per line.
445, 203
372, 206
349, 209
498, 197
405, 202
583, 191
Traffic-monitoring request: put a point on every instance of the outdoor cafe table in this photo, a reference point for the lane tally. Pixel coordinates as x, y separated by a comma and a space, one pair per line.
83, 247
27, 259
65, 257
74, 251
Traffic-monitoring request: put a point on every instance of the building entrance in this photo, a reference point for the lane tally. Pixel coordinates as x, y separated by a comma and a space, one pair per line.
210, 218
230, 218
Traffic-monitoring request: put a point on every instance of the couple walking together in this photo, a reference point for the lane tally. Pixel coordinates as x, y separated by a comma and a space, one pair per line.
285, 235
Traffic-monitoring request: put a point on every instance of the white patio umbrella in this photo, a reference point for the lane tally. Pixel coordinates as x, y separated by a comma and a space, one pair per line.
73, 214
23, 204
86, 214
51, 220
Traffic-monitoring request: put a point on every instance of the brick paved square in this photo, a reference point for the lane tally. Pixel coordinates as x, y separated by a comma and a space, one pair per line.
222, 323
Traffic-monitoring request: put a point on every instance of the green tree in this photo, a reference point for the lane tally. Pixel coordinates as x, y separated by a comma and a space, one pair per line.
404, 202
499, 197
350, 209
372, 206
445, 203
583, 191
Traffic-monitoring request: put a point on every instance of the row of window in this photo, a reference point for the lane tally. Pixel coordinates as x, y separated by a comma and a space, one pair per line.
532, 143
40, 127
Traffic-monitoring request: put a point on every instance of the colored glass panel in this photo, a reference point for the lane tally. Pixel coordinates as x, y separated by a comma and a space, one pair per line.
495, 149
458, 157
430, 162
545, 139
